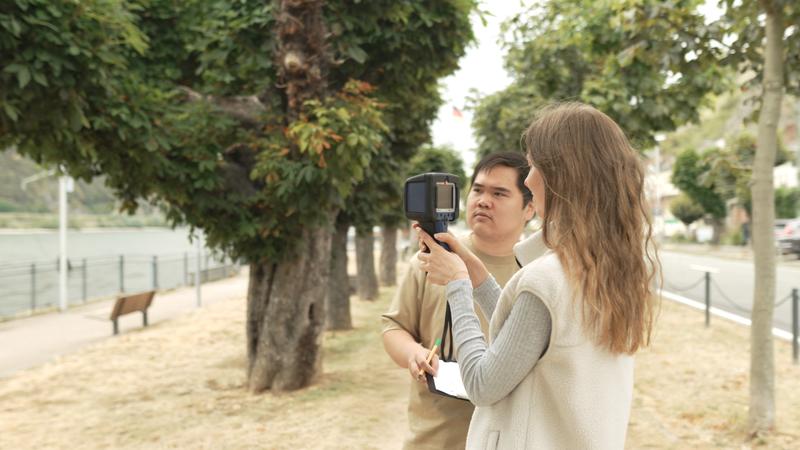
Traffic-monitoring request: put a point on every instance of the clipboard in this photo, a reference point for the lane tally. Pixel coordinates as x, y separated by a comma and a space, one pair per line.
448, 381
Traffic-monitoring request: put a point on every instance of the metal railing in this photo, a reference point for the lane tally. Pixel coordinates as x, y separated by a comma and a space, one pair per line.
710, 283
31, 287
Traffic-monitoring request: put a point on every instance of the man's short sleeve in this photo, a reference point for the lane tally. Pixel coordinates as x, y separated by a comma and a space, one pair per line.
404, 311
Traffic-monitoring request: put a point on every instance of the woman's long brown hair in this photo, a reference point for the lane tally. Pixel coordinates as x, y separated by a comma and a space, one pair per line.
597, 220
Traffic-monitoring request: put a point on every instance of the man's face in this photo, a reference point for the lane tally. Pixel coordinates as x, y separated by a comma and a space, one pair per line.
494, 205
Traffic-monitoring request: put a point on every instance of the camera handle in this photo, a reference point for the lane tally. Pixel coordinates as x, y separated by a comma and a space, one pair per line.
439, 226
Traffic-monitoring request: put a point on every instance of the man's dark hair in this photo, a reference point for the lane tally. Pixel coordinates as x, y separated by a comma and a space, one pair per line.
514, 160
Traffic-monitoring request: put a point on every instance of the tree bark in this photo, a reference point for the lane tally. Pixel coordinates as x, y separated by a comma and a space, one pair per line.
718, 227
389, 255
286, 316
762, 359
246, 109
302, 55
286, 298
338, 307
365, 264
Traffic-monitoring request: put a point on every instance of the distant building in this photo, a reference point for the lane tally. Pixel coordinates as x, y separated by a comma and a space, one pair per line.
660, 193
785, 175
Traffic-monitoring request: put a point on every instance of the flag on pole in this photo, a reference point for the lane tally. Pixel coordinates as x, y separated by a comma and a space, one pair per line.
457, 113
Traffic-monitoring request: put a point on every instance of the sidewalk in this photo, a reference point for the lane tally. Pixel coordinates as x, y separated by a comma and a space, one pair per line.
35, 340
724, 251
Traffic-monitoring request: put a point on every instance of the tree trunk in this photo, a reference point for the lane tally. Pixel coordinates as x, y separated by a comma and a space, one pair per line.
389, 255
762, 359
286, 316
302, 55
338, 307
718, 227
365, 264
286, 299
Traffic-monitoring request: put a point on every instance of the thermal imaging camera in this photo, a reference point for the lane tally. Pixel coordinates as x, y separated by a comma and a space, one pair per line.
432, 200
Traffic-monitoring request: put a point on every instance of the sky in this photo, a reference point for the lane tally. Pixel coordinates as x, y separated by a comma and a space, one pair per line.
481, 68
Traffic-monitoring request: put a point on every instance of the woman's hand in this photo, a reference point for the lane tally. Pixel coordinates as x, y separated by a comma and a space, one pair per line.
442, 266
476, 270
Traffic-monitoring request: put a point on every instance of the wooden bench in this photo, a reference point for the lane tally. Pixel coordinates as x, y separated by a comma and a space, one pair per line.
126, 304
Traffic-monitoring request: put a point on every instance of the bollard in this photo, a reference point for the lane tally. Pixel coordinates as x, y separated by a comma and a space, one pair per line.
795, 326
33, 286
155, 272
708, 299
83, 279
122, 273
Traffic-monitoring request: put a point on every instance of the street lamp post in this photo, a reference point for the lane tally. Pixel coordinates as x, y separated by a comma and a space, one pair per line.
62, 243
197, 279
65, 185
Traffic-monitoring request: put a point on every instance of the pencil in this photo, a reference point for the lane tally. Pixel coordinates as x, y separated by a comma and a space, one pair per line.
430, 355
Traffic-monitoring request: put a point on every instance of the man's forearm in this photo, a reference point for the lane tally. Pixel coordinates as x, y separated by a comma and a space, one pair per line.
400, 346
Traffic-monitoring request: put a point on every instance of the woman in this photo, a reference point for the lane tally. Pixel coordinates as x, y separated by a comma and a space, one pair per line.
558, 371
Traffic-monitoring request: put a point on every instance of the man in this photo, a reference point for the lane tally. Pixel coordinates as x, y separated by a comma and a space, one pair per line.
498, 207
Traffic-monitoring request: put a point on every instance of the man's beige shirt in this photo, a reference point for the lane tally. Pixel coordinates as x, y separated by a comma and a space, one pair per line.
418, 307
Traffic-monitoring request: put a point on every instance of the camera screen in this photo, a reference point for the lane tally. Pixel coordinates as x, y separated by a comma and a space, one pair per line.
415, 197
445, 197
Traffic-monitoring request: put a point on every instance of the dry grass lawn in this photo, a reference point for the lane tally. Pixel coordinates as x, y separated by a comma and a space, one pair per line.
179, 384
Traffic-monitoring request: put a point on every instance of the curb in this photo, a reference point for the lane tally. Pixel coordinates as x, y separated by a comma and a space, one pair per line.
778, 333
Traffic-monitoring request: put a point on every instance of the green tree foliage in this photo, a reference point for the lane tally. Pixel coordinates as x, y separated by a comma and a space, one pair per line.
426, 42
160, 120
502, 117
63, 66
744, 27
787, 201
688, 175
686, 209
730, 169
605, 54
438, 159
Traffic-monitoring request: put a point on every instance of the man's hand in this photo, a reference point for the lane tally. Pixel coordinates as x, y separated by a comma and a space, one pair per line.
406, 352
418, 364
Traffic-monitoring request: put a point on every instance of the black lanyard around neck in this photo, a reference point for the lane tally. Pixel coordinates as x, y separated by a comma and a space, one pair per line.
447, 330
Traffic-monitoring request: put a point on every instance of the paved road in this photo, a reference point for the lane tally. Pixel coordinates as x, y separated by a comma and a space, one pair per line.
732, 287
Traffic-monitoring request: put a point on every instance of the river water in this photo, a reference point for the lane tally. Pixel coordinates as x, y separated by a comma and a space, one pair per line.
25, 246
102, 262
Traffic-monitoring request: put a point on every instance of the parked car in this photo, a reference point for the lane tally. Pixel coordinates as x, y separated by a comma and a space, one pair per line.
788, 238
779, 225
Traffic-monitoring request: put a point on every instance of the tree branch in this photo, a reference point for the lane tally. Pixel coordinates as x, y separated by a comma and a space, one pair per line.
689, 32
769, 7
247, 109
